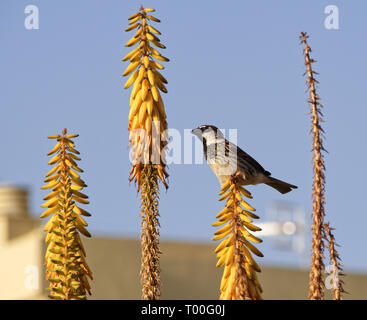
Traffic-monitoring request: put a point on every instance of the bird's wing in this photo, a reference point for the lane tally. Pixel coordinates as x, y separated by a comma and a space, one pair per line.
247, 160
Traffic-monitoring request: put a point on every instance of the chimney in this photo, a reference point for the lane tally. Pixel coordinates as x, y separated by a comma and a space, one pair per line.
13, 201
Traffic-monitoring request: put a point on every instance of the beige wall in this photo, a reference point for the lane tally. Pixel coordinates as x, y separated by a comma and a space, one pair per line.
189, 272
21, 270
188, 269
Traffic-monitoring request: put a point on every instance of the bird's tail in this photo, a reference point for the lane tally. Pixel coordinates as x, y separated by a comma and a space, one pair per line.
281, 186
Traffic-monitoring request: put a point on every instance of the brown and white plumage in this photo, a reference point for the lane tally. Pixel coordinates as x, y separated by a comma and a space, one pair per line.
225, 158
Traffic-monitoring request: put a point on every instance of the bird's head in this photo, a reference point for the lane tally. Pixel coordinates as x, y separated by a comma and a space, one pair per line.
208, 133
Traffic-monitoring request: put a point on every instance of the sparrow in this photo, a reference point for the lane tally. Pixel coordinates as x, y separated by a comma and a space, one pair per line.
225, 158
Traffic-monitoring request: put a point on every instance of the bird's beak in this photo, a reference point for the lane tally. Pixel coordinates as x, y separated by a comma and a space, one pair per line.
196, 131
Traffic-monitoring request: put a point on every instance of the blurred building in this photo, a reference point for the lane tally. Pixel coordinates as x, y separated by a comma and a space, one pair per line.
188, 269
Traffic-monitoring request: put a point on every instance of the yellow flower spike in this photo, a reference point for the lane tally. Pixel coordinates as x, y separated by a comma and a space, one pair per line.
71, 149
73, 156
224, 281
249, 236
230, 240
159, 76
136, 89
48, 212
223, 212
54, 160
146, 62
51, 195
142, 72
81, 211
134, 16
245, 192
161, 86
222, 235
55, 149
153, 50
248, 269
222, 252
135, 57
136, 106
79, 194
50, 203
238, 196
220, 222
150, 104
226, 217
138, 33
161, 109
54, 177
221, 261
247, 206
253, 249
229, 203
142, 113
80, 200
251, 227
228, 289
151, 37
222, 245
55, 136
50, 185
147, 114
239, 279
50, 225
131, 67
66, 268
245, 218
251, 262
155, 93
132, 27
153, 18
131, 54
229, 259
154, 30
151, 77
223, 229
158, 44
144, 89
130, 43
225, 196
156, 64
52, 171
75, 187
160, 57
137, 18
74, 174
131, 80
248, 213
148, 124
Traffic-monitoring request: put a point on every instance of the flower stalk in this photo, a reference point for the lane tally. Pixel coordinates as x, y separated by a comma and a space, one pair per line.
148, 137
337, 271
66, 268
239, 280
320, 231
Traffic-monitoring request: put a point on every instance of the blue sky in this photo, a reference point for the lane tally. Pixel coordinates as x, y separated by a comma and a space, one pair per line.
235, 64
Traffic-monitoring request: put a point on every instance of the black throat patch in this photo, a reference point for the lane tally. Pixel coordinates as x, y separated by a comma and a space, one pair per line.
205, 148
